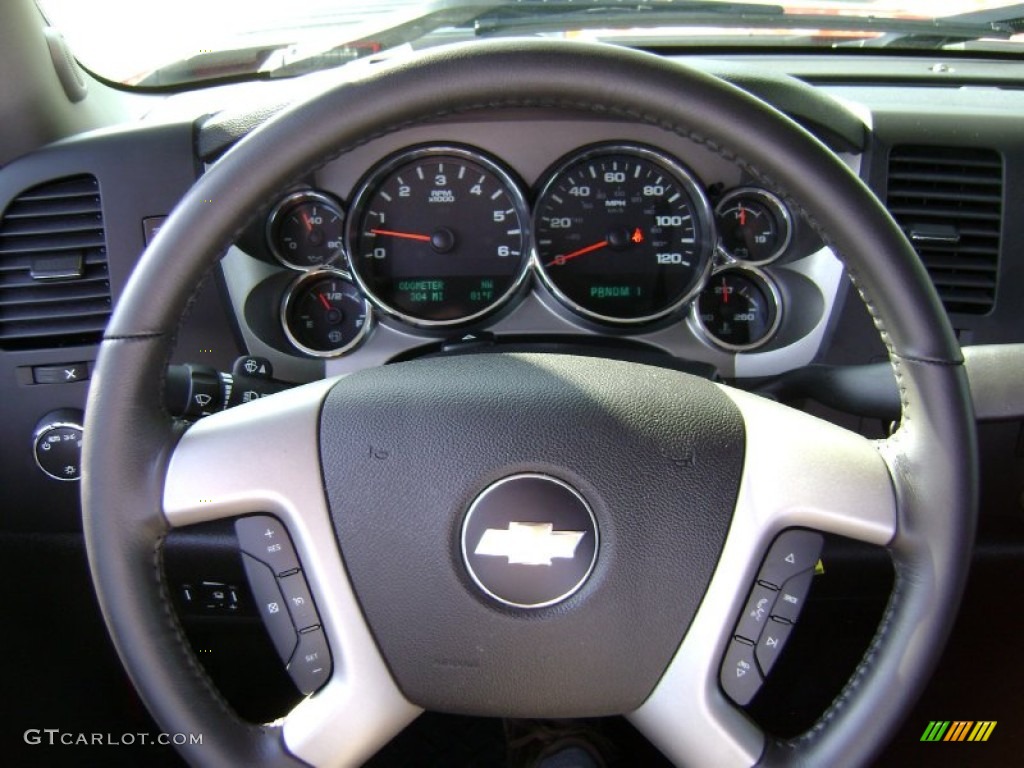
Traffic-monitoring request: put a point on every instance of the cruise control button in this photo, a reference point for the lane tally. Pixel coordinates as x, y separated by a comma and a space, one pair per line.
271, 606
311, 665
756, 612
793, 552
265, 538
740, 677
300, 602
775, 635
791, 597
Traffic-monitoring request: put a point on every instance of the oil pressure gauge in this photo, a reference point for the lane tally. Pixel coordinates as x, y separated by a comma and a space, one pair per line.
305, 230
324, 314
754, 226
739, 309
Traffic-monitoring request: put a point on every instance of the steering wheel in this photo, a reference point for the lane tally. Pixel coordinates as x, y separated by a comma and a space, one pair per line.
687, 482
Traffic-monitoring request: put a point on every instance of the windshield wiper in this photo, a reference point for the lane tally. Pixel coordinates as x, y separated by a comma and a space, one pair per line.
537, 16
483, 17
998, 23
479, 18
290, 58
526, 16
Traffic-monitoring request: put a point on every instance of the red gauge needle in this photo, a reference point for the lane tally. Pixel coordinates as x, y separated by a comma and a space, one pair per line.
725, 291
562, 259
324, 301
308, 221
743, 216
406, 235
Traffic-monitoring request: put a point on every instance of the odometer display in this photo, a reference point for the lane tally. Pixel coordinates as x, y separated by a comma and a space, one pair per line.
439, 236
623, 234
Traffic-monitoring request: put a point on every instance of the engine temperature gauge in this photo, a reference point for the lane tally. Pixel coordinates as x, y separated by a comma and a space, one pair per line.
739, 309
324, 314
754, 225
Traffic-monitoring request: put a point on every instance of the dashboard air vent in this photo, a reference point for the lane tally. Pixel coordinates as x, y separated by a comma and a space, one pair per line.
948, 200
54, 286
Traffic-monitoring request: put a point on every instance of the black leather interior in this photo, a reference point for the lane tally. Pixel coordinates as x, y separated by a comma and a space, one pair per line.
123, 477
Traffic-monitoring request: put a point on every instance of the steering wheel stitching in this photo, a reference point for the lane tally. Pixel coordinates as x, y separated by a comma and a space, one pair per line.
914, 493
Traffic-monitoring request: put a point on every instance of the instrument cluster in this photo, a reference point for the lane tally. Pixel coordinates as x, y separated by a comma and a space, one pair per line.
620, 235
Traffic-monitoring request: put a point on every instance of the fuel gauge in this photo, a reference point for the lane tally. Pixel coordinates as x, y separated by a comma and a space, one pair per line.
739, 309
324, 314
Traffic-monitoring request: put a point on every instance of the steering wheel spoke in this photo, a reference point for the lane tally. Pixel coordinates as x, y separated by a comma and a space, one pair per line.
264, 458
357, 713
734, 470
799, 471
260, 457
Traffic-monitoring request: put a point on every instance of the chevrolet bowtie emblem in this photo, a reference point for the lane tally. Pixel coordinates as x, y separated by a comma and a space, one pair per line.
529, 543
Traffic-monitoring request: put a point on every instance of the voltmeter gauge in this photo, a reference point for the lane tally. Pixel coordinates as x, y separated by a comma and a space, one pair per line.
305, 231
324, 314
754, 226
739, 309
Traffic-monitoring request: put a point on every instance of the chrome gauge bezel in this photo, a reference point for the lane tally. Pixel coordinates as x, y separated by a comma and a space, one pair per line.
783, 219
282, 208
292, 291
774, 294
702, 211
370, 183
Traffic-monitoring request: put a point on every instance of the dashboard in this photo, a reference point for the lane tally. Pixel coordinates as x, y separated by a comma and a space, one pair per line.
529, 227
510, 229
315, 300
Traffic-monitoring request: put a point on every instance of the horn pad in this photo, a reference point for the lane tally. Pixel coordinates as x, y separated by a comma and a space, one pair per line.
529, 541
462, 490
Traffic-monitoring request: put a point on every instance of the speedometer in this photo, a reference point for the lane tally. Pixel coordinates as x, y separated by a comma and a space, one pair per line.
623, 234
439, 236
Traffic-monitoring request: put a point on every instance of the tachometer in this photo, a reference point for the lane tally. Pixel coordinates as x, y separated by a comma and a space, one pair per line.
624, 234
439, 236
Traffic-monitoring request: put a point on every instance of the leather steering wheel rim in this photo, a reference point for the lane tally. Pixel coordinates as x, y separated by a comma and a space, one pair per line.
931, 458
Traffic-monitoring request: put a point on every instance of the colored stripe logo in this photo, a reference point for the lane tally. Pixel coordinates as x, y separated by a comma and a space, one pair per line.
958, 730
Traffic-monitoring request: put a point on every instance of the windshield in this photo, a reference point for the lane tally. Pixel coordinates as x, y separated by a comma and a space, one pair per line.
148, 44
